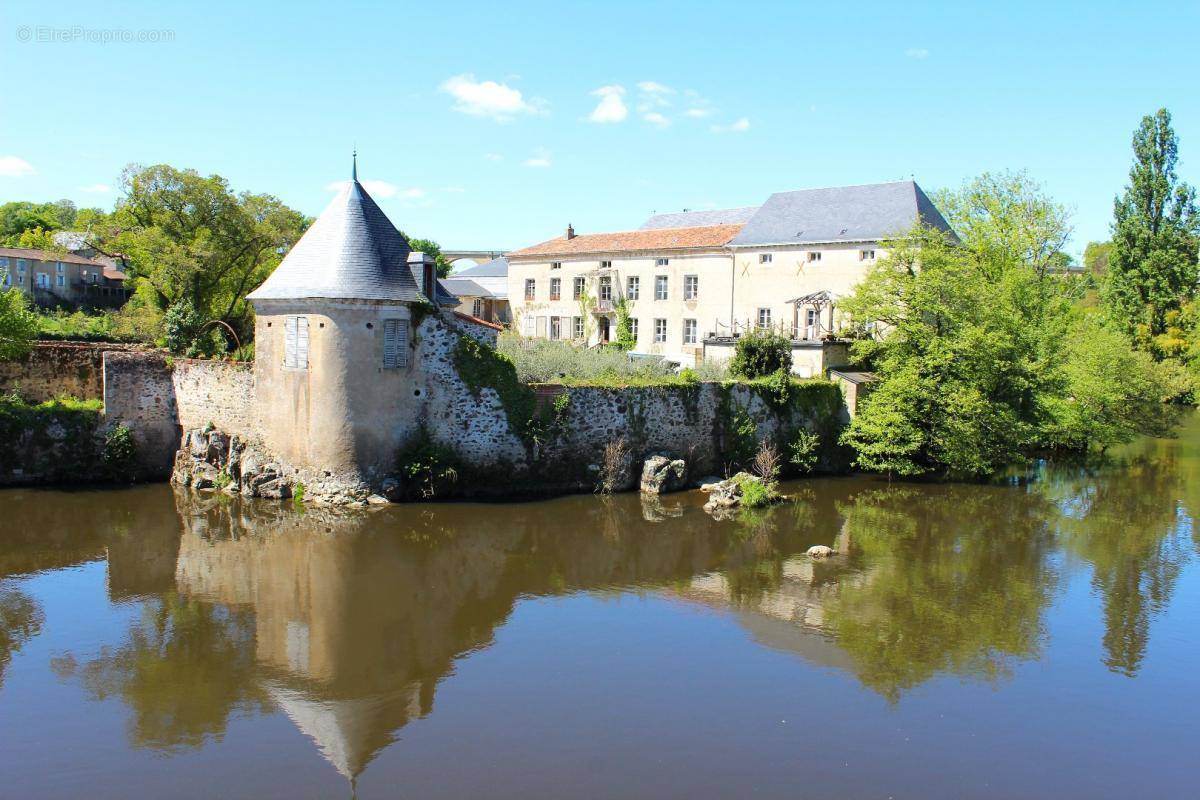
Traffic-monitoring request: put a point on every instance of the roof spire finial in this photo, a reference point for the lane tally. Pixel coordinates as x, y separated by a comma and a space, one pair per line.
354, 165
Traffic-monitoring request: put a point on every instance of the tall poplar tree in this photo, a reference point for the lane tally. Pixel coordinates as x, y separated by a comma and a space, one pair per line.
1152, 269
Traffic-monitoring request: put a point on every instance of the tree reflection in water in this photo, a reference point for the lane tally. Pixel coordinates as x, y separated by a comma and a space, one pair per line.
21, 619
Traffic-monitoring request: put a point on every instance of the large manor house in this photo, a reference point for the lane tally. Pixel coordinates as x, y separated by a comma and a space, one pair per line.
692, 281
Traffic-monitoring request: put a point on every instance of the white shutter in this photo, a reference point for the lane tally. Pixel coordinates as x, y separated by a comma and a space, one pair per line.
527, 325
289, 342
302, 343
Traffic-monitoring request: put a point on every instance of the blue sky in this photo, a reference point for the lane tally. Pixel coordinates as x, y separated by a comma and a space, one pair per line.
496, 124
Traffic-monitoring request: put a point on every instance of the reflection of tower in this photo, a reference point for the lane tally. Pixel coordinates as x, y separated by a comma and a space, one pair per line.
354, 627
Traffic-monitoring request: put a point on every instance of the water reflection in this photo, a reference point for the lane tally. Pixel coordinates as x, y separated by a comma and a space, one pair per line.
348, 623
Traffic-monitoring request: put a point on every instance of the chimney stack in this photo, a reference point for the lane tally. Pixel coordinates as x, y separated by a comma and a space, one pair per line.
570, 231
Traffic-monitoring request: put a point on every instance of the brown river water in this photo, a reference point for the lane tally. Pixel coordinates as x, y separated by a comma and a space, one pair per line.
1033, 638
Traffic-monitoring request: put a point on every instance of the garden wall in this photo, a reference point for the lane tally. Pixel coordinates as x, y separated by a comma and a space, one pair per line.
58, 369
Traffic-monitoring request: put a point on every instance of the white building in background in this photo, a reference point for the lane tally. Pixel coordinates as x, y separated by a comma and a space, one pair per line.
693, 281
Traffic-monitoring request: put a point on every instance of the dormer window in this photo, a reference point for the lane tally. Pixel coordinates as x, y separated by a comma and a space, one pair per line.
814, 255
661, 262
866, 255
764, 258
555, 265
605, 265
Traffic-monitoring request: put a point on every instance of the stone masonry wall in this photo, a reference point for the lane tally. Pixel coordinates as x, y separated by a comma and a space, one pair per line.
158, 398
58, 369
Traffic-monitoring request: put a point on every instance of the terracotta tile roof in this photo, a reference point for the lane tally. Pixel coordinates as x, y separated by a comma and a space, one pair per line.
478, 321
712, 236
114, 274
46, 255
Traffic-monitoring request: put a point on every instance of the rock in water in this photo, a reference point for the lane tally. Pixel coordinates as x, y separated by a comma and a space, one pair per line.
661, 475
820, 551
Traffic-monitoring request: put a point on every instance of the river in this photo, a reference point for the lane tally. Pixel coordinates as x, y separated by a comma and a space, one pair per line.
1032, 638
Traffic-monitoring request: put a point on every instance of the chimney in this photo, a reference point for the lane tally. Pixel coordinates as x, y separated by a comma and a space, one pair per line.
570, 231
424, 269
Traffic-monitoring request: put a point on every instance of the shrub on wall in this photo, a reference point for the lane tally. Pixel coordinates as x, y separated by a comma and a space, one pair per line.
120, 450
760, 353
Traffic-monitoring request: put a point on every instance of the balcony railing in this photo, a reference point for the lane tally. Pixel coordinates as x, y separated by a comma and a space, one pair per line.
604, 307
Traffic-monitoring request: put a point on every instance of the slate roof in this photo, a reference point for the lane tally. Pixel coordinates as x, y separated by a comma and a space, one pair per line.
711, 237
699, 219
496, 268
840, 214
463, 287
352, 252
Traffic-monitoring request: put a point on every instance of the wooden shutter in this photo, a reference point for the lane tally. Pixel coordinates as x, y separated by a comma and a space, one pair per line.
302, 343
289, 342
395, 343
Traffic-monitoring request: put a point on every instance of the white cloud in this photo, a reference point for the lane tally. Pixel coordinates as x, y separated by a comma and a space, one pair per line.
13, 167
654, 87
698, 113
414, 193
376, 188
611, 107
740, 126
96, 188
540, 160
486, 98
919, 53
656, 119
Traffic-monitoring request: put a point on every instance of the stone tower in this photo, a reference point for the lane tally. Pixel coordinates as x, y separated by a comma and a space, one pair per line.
337, 385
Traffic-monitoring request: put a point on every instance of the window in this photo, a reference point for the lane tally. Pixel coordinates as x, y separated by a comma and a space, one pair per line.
295, 343
812, 323
633, 328
530, 288
7, 280
661, 262
660, 330
764, 318
691, 287
689, 331
814, 255
555, 288
555, 265
58, 267
605, 287
577, 291
395, 343
556, 327
633, 287
21, 264
43, 280
61, 280
764, 258
660, 287
605, 265
866, 255
477, 308
3, 262
577, 327
527, 323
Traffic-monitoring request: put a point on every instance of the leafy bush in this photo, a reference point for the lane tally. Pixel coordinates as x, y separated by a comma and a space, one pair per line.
18, 325
551, 361
120, 450
803, 450
624, 340
760, 353
428, 469
755, 492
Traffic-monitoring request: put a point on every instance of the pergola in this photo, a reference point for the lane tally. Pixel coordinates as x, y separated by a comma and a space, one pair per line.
820, 302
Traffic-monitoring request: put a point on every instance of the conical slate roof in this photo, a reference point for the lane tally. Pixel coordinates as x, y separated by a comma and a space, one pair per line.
352, 252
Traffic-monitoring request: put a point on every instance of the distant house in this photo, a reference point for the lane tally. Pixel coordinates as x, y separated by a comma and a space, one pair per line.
53, 279
483, 290
692, 282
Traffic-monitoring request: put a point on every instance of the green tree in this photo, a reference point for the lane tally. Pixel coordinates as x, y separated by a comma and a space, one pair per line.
197, 243
20, 216
760, 353
18, 325
986, 356
624, 339
430, 247
1156, 235
1096, 256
